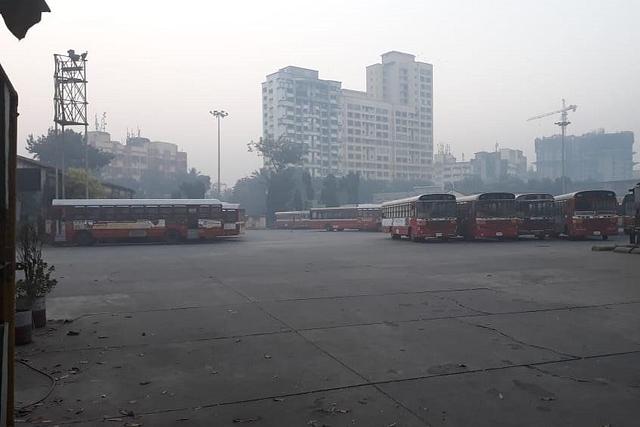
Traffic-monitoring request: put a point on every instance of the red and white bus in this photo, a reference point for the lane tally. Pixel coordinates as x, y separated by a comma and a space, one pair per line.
488, 215
421, 217
587, 213
627, 213
355, 217
292, 220
84, 222
535, 212
232, 219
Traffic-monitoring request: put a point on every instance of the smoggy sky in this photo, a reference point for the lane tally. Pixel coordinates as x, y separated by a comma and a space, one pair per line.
161, 66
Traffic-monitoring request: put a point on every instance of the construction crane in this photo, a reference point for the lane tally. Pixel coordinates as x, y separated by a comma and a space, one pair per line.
563, 123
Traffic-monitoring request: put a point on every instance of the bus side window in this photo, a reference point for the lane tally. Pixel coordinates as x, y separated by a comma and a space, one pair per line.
151, 212
122, 213
204, 212
166, 213
78, 213
107, 213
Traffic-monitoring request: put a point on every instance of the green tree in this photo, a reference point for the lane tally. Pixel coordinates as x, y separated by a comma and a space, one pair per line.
75, 185
278, 154
193, 186
350, 185
329, 192
251, 193
48, 148
280, 158
308, 185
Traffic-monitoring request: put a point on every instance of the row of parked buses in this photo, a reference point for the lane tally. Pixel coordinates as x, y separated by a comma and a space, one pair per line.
487, 215
355, 217
85, 222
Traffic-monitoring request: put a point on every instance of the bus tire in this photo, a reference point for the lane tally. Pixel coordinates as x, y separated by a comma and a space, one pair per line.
412, 237
541, 236
328, 227
83, 238
172, 236
605, 237
395, 236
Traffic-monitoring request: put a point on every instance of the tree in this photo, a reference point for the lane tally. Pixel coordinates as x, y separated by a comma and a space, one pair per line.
278, 154
350, 185
308, 185
194, 185
48, 148
75, 185
329, 193
251, 193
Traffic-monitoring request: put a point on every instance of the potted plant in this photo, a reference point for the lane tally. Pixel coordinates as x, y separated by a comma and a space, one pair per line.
38, 281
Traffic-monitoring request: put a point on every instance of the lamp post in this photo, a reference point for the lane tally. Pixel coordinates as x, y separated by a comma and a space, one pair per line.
219, 114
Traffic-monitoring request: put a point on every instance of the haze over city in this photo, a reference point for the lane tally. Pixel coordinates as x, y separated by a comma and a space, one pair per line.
161, 69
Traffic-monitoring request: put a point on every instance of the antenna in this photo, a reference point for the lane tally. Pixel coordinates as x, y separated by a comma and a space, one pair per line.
97, 125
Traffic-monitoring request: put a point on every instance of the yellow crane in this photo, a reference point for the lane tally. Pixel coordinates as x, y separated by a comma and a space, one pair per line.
563, 123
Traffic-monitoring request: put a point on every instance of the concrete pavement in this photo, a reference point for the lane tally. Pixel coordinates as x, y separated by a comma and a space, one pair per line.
311, 328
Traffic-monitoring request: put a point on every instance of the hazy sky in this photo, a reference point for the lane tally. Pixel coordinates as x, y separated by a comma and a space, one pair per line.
496, 63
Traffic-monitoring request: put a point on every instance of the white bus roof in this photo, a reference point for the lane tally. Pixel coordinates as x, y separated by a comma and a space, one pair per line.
291, 212
431, 197
226, 205
133, 202
359, 206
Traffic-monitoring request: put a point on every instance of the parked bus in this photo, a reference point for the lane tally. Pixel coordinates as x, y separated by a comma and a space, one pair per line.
357, 217
535, 212
635, 231
232, 219
488, 215
85, 222
420, 217
627, 213
292, 220
587, 213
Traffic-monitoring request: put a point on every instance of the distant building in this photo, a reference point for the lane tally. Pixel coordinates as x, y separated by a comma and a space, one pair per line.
298, 105
138, 155
383, 133
447, 170
497, 165
595, 156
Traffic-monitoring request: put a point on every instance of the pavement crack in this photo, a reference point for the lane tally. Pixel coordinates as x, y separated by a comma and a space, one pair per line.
578, 380
512, 338
458, 303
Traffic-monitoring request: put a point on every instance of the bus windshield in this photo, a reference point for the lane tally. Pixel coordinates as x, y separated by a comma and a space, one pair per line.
596, 203
536, 208
495, 208
436, 209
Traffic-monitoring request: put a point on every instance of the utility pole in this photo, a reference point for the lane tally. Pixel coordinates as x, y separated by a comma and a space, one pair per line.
219, 114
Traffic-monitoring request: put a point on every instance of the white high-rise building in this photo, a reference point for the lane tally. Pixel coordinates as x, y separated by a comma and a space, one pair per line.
298, 105
383, 133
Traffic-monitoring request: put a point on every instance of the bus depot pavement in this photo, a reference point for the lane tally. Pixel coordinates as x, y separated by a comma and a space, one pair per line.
315, 328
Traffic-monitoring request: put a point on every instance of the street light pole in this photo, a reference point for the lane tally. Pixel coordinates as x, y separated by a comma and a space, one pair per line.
219, 114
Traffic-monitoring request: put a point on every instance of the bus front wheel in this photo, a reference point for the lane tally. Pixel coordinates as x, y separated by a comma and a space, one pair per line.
395, 236
328, 227
83, 238
605, 237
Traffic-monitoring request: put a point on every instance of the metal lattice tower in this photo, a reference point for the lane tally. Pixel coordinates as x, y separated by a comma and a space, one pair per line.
70, 103
70, 98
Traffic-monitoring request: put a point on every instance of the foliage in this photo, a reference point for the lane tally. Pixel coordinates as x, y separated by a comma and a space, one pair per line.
193, 186
278, 154
329, 193
280, 192
308, 185
75, 187
47, 148
38, 280
251, 193
350, 186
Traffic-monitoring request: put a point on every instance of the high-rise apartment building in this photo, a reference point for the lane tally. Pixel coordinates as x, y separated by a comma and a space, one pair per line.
595, 156
298, 105
385, 132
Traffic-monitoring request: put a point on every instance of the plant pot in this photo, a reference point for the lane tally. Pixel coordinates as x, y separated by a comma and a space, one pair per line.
23, 324
38, 309
39, 312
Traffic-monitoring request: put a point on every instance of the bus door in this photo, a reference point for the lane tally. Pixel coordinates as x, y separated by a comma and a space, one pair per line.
192, 223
